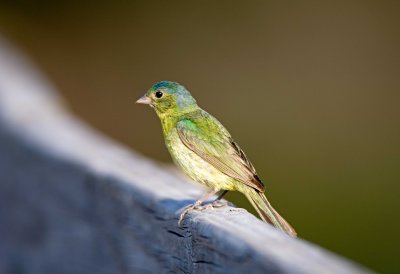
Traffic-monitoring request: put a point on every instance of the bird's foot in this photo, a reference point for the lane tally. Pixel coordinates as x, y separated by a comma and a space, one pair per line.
219, 203
196, 206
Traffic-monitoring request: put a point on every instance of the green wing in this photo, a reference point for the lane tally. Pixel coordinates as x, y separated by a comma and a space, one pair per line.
206, 137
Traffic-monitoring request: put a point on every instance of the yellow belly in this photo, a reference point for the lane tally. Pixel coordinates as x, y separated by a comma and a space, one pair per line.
195, 167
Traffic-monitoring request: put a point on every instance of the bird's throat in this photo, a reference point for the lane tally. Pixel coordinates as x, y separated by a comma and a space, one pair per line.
168, 122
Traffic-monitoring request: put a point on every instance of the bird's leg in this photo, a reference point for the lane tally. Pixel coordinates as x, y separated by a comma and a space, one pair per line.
197, 205
217, 202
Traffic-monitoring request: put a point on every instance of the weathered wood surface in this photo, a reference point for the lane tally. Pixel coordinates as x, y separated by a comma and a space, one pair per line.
73, 201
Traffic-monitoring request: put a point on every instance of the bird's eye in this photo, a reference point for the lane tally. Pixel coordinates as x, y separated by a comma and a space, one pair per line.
159, 94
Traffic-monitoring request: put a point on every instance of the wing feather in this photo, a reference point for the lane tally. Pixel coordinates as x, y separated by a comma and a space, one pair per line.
206, 137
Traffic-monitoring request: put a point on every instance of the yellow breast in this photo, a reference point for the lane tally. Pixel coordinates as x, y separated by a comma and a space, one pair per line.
195, 167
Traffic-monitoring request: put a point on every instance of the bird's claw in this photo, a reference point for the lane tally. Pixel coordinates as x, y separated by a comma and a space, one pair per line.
219, 203
198, 206
187, 209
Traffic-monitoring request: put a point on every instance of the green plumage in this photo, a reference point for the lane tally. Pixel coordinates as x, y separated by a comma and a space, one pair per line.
205, 151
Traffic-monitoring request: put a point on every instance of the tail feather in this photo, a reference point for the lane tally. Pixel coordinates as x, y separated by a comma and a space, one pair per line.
268, 213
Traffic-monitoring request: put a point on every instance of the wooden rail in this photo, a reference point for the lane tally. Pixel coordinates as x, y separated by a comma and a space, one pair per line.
74, 201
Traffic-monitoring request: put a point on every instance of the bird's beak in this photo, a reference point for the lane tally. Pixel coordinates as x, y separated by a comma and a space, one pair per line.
144, 100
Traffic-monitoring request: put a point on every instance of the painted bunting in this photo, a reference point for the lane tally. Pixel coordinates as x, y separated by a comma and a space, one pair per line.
206, 152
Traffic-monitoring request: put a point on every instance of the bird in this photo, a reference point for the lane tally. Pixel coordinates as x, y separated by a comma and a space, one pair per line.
206, 152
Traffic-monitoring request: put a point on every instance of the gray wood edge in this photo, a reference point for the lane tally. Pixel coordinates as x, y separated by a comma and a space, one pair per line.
77, 202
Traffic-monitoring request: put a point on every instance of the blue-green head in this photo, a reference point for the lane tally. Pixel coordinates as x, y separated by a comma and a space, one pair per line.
169, 98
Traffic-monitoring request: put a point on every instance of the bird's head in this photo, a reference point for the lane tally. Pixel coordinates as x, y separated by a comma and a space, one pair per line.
168, 98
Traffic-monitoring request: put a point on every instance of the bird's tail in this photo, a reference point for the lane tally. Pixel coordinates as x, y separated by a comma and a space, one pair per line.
268, 213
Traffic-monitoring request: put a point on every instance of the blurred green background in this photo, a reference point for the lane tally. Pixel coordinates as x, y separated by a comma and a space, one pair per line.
309, 89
